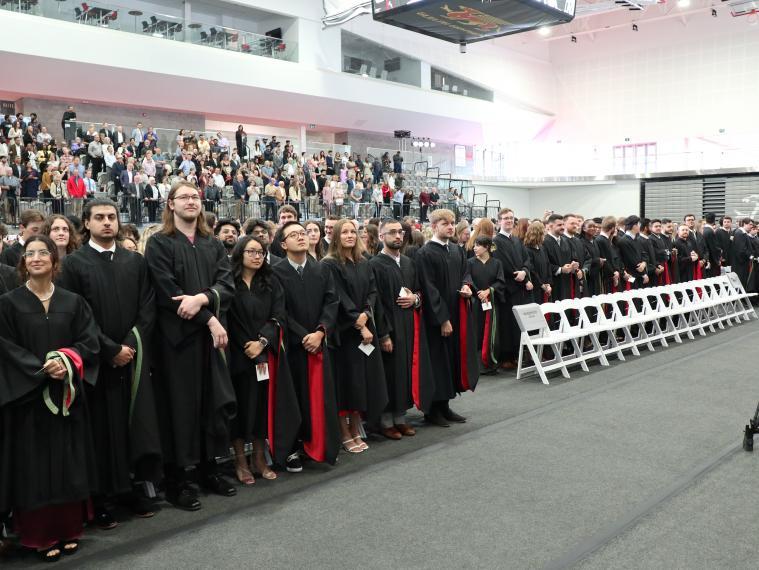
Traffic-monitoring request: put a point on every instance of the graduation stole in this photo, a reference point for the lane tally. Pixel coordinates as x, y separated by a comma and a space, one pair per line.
70, 359
316, 447
217, 313
415, 370
273, 362
136, 372
488, 340
463, 318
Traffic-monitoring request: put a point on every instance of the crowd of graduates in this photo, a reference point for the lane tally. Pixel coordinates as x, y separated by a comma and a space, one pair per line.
122, 372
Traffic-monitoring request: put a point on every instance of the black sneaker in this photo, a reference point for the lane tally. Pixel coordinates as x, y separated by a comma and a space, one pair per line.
293, 464
217, 484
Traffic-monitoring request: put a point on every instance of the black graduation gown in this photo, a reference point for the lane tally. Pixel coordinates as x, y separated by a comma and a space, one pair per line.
11, 254
513, 257
578, 287
661, 257
408, 370
9, 278
267, 409
673, 265
540, 274
631, 252
713, 249
608, 250
122, 403
359, 379
724, 241
741, 256
592, 266
686, 265
753, 276
488, 275
559, 253
650, 256
311, 303
194, 392
455, 363
45, 458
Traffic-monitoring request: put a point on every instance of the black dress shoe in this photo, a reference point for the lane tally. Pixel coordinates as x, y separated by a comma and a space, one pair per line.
436, 419
183, 497
452, 416
142, 507
217, 484
104, 519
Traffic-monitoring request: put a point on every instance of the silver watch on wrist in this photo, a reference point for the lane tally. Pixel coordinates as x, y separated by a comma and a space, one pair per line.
263, 341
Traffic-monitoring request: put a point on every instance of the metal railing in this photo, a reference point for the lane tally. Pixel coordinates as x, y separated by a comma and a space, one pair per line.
155, 24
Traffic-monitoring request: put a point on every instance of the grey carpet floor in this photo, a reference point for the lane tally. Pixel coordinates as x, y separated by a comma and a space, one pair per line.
632, 466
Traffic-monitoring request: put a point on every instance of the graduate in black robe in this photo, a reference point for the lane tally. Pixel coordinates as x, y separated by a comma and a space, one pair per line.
446, 306
653, 270
713, 249
515, 263
633, 257
196, 401
267, 408
8, 278
116, 284
540, 266
725, 239
669, 232
577, 286
687, 255
662, 253
740, 262
611, 271
48, 341
30, 223
559, 255
359, 378
489, 288
403, 342
593, 261
312, 305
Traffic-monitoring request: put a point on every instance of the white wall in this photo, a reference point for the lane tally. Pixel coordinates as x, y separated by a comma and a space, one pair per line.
668, 80
618, 198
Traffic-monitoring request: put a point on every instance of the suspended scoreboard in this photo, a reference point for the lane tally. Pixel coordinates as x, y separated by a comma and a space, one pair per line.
467, 21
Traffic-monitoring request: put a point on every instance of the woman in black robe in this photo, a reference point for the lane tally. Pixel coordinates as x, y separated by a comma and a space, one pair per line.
359, 377
540, 274
47, 338
489, 287
255, 327
592, 264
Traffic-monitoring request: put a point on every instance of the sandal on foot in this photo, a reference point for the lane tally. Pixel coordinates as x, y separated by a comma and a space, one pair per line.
52, 554
351, 447
244, 475
70, 547
361, 443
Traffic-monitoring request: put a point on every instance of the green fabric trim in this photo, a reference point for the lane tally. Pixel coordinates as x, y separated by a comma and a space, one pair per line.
493, 328
217, 313
69, 391
136, 372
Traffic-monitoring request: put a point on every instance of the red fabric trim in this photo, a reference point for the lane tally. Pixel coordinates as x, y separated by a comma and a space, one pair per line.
463, 317
77, 363
415, 369
545, 296
571, 286
486, 341
697, 275
316, 447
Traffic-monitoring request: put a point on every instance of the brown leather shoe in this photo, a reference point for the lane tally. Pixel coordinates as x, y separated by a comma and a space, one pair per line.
405, 430
391, 433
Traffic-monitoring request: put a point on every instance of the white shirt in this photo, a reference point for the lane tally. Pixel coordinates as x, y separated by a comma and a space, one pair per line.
397, 258
441, 242
296, 265
101, 249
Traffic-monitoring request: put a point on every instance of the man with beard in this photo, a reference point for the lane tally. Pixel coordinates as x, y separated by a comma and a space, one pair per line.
612, 269
446, 290
516, 270
654, 269
725, 239
406, 360
559, 254
713, 249
699, 245
662, 252
577, 284
196, 400
632, 254
116, 285
227, 231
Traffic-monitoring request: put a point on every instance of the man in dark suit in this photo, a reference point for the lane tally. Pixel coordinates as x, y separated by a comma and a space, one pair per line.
18, 168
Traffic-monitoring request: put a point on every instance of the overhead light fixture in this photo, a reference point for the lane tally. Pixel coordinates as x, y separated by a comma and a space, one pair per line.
544, 31
574, 39
426, 144
432, 145
683, 3
635, 27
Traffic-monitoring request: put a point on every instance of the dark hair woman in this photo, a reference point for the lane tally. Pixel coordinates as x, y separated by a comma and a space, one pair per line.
48, 337
266, 405
489, 288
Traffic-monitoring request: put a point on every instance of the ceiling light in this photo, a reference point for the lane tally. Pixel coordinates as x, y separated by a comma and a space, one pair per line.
426, 144
544, 31
432, 145
683, 3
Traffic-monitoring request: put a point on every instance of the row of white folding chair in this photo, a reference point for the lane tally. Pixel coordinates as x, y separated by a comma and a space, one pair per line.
628, 319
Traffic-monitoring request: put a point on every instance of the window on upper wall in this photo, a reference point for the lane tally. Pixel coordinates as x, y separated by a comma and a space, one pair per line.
449, 83
369, 59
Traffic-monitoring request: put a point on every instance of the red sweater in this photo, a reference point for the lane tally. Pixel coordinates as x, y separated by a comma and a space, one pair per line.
75, 187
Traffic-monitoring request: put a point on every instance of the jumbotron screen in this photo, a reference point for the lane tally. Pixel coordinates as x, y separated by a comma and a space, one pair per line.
467, 21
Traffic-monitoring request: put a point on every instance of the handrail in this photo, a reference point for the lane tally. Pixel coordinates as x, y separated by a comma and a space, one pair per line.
424, 162
427, 173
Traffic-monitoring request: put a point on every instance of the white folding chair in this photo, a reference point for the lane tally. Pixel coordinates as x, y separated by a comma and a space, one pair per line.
593, 317
572, 324
535, 335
